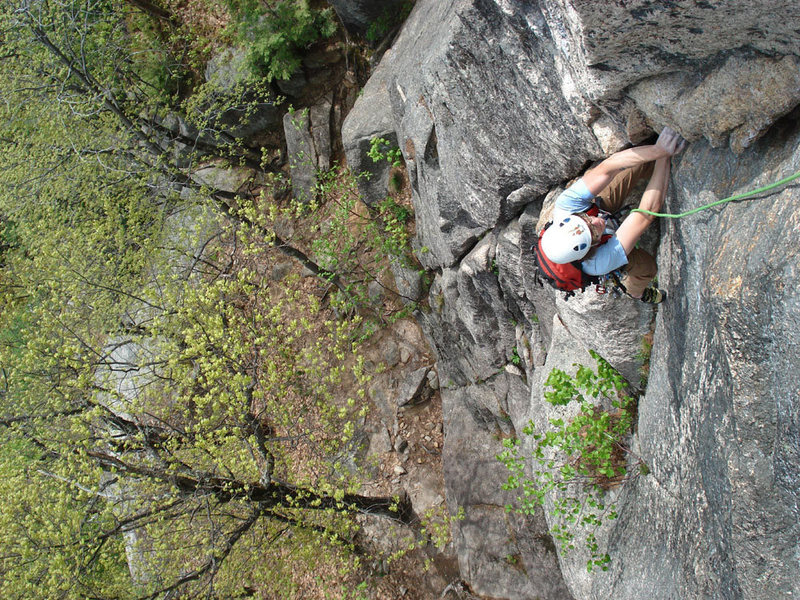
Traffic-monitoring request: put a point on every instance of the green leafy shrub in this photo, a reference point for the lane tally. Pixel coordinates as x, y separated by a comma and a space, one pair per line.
277, 31
579, 458
393, 218
382, 149
348, 239
163, 74
359, 241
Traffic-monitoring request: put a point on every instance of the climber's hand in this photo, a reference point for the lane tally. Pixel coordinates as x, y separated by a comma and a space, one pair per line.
670, 142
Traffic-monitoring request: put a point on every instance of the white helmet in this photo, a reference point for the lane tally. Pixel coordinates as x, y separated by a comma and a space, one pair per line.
567, 240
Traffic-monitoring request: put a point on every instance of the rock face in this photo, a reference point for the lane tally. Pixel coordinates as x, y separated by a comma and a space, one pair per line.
358, 15
502, 555
360, 127
496, 104
719, 425
308, 146
474, 96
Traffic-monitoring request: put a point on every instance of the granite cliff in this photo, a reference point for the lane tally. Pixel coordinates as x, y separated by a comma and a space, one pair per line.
496, 104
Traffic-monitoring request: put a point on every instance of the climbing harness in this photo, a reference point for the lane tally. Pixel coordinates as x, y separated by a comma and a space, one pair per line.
611, 283
723, 201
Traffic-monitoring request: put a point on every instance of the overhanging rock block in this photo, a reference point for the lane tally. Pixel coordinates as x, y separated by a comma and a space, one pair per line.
370, 118
479, 113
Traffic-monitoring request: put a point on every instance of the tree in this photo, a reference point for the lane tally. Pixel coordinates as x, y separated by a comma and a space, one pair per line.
158, 386
79, 55
159, 393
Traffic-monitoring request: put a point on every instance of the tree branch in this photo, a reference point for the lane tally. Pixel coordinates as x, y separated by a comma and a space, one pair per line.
272, 495
214, 563
223, 199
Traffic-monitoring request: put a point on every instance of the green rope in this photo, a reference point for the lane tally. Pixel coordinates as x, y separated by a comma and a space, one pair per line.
724, 200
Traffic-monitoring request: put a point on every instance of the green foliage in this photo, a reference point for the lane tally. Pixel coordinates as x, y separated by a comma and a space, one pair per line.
437, 524
9, 238
381, 26
156, 382
153, 53
45, 527
576, 459
276, 31
349, 238
213, 352
217, 112
435, 530
393, 218
154, 379
381, 149
75, 257
396, 182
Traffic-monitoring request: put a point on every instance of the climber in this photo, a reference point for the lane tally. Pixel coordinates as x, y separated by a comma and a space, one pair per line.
579, 245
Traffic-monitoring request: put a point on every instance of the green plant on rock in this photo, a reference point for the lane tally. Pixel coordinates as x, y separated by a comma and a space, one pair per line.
643, 356
435, 529
576, 460
393, 218
396, 182
436, 524
358, 241
382, 149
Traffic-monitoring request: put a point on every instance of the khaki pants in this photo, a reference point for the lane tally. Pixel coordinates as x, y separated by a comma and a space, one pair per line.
641, 267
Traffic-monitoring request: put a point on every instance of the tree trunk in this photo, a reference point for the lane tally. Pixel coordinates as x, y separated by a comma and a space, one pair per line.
153, 10
271, 495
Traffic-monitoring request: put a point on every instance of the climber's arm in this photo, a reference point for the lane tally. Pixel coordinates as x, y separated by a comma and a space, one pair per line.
635, 223
598, 178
